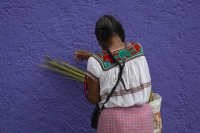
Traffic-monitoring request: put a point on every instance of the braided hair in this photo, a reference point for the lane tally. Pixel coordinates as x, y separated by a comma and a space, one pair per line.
106, 27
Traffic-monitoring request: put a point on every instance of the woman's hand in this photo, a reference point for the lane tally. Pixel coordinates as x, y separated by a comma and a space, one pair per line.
81, 55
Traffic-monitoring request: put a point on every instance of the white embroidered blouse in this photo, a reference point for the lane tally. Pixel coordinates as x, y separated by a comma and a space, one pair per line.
136, 77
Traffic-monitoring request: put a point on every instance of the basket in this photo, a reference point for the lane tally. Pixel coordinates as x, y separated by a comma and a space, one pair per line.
156, 105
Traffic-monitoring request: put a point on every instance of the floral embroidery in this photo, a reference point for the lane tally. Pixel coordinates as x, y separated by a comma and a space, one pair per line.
133, 51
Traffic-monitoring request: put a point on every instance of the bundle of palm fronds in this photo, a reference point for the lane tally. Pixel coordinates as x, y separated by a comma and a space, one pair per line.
62, 67
72, 72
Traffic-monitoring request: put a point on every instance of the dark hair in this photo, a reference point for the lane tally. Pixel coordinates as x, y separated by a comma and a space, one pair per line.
106, 27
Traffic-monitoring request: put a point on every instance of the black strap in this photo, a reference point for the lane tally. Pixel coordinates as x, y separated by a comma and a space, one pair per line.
119, 79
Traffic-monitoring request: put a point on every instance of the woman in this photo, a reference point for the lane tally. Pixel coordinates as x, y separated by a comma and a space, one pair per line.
127, 110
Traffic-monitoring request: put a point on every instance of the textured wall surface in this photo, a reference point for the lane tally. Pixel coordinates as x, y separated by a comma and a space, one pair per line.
35, 100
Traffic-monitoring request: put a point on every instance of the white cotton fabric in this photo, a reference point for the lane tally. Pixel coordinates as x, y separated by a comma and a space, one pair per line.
135, 74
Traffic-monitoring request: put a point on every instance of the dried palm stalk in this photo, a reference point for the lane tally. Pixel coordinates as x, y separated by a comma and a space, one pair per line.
64, 68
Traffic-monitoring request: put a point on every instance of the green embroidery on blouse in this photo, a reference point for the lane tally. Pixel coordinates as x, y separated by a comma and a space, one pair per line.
134, 50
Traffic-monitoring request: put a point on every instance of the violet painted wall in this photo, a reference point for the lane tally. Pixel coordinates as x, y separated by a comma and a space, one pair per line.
35, 100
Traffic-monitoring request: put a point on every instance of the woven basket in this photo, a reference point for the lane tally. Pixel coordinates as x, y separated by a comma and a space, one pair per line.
156, 105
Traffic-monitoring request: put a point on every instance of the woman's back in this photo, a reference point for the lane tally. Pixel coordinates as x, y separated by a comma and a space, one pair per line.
136, 77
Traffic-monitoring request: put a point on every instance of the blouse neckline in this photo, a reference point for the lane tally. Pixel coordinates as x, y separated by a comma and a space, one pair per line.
119, 48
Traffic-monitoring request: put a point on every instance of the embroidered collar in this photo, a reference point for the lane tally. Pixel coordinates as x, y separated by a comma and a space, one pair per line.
134, 50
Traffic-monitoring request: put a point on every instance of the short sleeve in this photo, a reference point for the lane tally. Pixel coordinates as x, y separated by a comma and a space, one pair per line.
93, 69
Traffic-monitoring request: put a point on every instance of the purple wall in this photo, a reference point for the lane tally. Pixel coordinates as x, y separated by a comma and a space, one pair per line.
35, 100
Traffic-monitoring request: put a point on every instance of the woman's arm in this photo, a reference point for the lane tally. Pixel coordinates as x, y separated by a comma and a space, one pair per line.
93, 95
93, 87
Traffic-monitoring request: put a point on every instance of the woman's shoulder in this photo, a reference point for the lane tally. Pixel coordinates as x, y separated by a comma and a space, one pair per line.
137, 46
104, 59
134, 50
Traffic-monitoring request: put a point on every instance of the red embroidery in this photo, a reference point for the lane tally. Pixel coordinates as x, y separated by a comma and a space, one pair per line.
107, 57
137, 47
135, 52
99, 55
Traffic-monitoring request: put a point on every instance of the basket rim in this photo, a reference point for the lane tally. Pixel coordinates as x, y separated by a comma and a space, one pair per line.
157, 100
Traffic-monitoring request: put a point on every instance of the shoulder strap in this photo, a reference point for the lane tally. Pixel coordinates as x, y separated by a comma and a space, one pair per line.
119, 78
